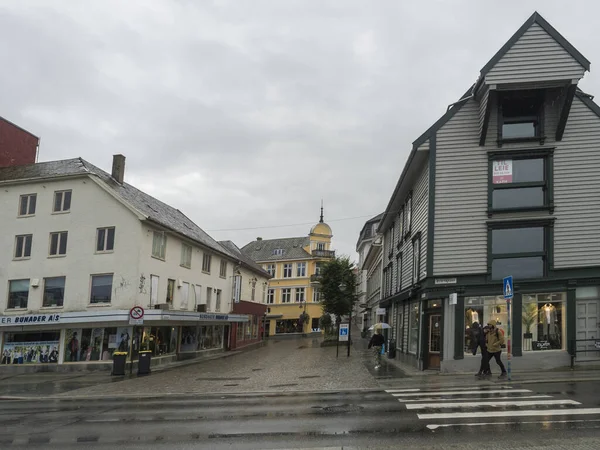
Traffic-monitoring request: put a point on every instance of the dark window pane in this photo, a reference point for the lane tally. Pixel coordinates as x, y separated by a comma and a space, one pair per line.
18, 293
100, 243
110, 244
518, 198
519, 130
28, 240
67, 202
54, 291
517, 240
23, 206
532, 267
63, 243
19, 247
525, 170
101, 289
57, 201
32, 202
54, 243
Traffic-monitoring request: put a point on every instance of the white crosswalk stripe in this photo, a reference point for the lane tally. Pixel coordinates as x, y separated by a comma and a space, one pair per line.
485, 403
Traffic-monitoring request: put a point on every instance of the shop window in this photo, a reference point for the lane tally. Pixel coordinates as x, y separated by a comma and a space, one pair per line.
18, 294
482, 310
211, 337
239, 332
519, 183
314, 325
413, 325
54, 291
101, 291
285, 326
520, 252
95, 344
159, 340
521, 115
543, 319
189, 339
31, 347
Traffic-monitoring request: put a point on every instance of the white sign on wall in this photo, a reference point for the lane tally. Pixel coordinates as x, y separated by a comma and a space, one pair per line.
502, 172
380, 311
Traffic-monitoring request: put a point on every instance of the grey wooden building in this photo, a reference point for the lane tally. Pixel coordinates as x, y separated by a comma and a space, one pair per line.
505, 183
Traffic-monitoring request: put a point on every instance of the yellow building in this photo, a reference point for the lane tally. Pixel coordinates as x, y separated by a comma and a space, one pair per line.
294, 263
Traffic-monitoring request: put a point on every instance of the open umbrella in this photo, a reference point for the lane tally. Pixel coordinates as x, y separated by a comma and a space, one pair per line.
380, 326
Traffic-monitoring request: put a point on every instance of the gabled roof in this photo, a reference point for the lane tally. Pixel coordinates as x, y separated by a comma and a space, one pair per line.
535, 18
154, 210
244, 259
362, 235
262, 250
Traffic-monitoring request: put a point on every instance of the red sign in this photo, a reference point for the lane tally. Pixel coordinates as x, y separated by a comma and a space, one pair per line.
502, 172
137, 312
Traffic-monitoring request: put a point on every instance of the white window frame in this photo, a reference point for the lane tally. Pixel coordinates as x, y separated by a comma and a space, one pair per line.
320, 246
27, 206
154, 280
223, 269
286, 293
270, 296
301, 269
92, 286
271, 269
62, 201
186, 255
206, 262
62, 235
209, 291
159, 245
300, 295
185, 295
105, 246
316, 295
21, 251
288, 270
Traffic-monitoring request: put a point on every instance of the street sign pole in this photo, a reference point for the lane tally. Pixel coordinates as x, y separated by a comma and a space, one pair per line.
508, 289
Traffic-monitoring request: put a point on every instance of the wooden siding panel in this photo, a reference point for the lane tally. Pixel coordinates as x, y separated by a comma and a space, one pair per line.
577, 191
482, 108
460, 238
536, 56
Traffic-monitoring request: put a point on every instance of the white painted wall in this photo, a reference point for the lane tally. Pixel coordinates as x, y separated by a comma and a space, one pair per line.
91, 207
261, 282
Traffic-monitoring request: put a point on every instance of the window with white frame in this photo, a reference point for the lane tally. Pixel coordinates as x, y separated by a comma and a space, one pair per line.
185, 295
18, 294
159, 245
62, 201
278, 252
287, 270
105, 239
209, 292
58, 243
54, 292
206, 260
320, 245
271, 269
186, 255
218, 301
286, 295
23, 246
223, 269
271, 296
27, 205
300, 295
101, 288
301, 269
316, 295
416, 260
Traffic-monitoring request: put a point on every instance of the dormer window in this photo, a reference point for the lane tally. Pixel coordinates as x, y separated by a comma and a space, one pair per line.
521, 116
278, 252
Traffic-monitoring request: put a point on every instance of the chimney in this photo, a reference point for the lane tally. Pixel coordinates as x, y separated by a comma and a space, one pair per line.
118, 168
259, 238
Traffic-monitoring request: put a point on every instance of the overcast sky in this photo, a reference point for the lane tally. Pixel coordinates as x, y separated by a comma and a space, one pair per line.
244, 114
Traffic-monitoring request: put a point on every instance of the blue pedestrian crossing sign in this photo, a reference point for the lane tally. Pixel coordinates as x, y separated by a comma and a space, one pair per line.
508, 287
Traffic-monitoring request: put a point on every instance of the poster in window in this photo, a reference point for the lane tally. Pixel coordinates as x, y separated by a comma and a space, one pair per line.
124, 338
502, 172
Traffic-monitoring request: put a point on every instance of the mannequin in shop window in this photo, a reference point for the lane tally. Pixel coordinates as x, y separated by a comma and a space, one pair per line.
548, 319
471, 316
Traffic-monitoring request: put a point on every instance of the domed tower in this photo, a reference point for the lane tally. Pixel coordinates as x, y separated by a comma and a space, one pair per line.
320, 239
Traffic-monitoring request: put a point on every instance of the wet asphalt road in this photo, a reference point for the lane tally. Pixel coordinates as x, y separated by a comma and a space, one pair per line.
553, 415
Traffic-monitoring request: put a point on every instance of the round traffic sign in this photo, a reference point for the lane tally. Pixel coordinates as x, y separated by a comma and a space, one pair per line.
137, 312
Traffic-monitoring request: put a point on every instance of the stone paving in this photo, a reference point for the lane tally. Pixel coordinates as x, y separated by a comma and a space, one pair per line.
284, 366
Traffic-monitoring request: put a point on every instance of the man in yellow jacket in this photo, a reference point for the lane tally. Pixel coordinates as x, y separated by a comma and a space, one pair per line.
495, 341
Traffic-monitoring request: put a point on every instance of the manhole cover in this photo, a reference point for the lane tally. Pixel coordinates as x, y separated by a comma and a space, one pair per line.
342, 408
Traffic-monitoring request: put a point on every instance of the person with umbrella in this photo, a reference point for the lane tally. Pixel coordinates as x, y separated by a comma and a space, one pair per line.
376, 342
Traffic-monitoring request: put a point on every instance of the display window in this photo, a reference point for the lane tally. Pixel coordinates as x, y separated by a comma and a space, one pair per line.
481, 310
211, 337
159, 340
413, 325
31, 347
189, 339
544, 321
95, 344
288, 326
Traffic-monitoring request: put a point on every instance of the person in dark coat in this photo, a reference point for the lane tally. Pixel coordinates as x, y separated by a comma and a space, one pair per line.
478, 340
376, 342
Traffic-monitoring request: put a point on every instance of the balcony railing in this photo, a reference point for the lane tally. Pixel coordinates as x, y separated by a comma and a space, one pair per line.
315, 278
324, 253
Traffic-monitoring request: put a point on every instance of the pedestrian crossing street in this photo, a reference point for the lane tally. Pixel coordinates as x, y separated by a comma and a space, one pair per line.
468, 406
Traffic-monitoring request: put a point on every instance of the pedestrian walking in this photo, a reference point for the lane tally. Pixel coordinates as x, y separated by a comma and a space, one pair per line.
376, 342
478, 340
494, 342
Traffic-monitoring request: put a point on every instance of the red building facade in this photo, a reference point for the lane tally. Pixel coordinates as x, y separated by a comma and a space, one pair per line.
17, 146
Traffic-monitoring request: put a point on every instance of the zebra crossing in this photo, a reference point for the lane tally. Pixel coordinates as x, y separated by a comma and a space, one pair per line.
488, 406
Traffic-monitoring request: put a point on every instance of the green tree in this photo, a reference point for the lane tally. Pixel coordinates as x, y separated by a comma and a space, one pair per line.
338, 287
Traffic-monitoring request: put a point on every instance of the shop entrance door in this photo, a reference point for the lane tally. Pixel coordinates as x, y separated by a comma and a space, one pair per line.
588, 327
434, 344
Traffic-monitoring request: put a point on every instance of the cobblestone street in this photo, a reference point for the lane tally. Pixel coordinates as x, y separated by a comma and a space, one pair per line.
281, 365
